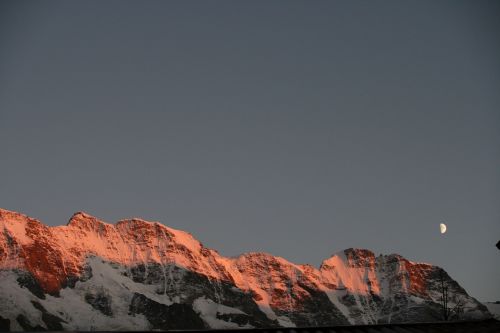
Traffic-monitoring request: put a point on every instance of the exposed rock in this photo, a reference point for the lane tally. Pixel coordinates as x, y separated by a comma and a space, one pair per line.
166, 317
4, 324
27, 326
26, 280
100, 301
52, 322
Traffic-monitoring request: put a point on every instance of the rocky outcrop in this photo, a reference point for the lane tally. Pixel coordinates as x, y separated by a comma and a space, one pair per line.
177, 316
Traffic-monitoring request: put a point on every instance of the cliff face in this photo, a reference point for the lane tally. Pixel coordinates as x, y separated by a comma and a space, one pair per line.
143, 275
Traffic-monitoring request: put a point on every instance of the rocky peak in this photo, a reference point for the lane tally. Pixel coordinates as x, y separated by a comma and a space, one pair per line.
10, 215
20, 228
359, 257
84, 221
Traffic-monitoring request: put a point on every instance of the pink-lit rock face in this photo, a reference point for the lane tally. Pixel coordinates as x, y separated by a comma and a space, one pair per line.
52, 254
354, 284
359, 271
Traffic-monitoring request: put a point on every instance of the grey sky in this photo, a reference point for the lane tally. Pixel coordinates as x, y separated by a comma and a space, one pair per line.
296, 128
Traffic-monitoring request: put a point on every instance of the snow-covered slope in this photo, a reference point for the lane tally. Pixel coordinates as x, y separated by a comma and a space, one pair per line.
143, 275
494, 308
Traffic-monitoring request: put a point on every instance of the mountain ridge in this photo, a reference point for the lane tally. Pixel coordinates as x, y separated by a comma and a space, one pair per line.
257, 288
80, 220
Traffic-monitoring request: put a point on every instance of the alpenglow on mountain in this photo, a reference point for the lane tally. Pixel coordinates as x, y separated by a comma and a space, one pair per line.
139, 275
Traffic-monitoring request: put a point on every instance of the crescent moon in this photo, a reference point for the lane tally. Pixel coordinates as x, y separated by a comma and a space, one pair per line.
442, 227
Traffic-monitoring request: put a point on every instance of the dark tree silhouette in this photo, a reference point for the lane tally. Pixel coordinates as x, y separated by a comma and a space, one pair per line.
498, 245
447, 312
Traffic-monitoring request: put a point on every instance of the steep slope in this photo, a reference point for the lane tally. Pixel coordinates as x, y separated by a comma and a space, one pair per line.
137, 274
494, 308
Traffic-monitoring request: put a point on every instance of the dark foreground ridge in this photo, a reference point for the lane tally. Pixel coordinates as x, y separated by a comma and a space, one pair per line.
480, 326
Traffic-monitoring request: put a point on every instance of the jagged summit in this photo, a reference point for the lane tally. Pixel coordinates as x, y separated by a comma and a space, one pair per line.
83, 219
12, 216
86, 221
145, 263
81, 214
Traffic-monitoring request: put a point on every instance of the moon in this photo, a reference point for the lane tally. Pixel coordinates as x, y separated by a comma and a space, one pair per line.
442, 227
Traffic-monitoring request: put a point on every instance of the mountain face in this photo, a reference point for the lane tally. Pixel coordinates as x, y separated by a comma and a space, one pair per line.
139, 275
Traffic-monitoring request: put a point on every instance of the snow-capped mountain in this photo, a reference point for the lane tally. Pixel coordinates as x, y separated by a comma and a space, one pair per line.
140, 275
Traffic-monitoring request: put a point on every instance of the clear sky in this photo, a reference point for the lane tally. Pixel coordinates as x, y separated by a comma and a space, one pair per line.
298, 128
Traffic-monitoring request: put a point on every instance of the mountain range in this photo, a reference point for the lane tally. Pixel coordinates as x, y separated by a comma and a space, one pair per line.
140, 275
